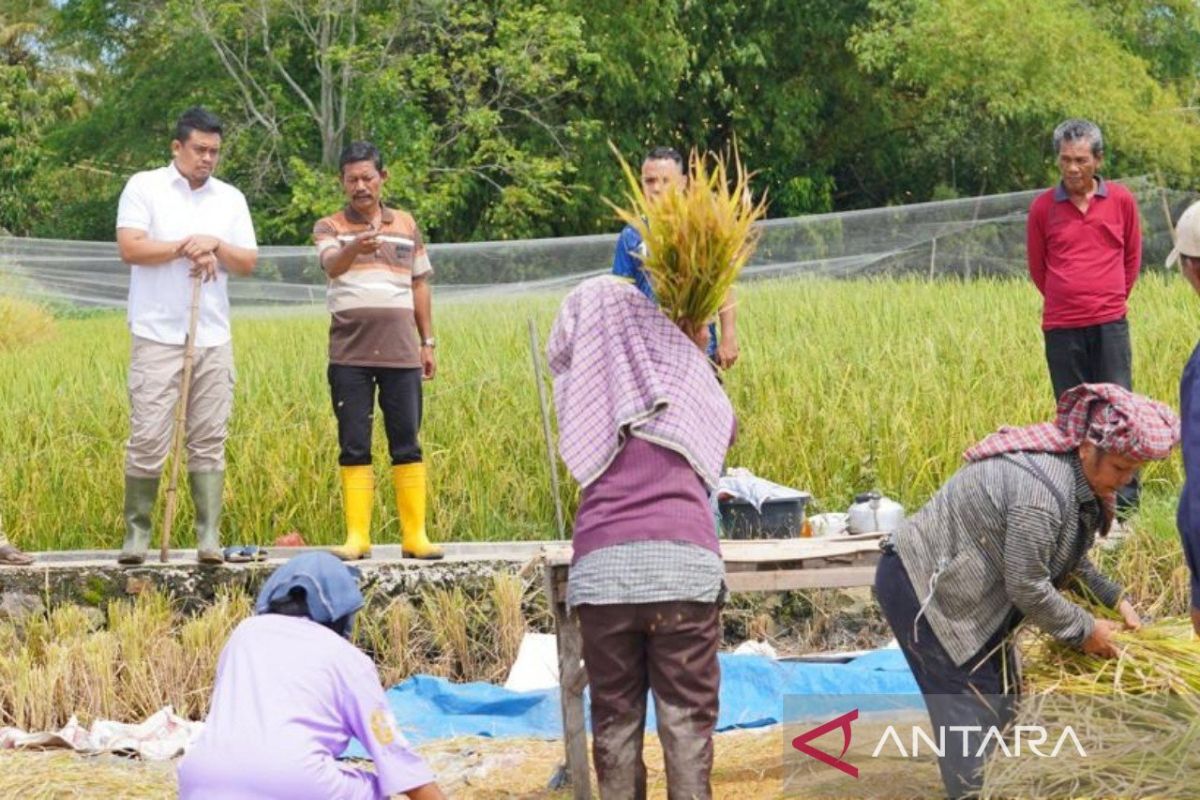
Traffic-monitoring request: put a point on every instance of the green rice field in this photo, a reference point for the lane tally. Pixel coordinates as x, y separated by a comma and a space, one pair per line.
842, 386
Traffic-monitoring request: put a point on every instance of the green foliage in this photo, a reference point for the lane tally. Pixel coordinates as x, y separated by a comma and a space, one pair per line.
314, 194
988, 104
494, 83
32, 100
494, 118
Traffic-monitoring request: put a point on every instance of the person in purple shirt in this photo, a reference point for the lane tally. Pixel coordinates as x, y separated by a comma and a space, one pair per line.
291, 692
1187, 255
663, 169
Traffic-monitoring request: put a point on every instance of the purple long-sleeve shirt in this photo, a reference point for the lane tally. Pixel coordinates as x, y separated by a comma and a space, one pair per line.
289, 695
1188, 515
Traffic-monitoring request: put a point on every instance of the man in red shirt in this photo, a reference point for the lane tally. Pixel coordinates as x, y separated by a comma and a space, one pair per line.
1084, 244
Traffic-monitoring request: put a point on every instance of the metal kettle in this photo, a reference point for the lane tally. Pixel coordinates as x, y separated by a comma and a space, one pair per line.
874, 513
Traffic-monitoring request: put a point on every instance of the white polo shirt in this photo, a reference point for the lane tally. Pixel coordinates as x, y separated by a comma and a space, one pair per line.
161, 203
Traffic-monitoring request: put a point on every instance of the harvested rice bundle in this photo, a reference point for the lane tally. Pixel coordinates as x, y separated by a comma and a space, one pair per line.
1137, 715
1161, 658
698, 237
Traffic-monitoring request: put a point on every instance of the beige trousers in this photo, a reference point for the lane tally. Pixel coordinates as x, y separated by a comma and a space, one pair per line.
155, 373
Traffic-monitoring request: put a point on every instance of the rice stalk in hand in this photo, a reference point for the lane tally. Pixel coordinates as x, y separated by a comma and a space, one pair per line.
1161, 658
698, 237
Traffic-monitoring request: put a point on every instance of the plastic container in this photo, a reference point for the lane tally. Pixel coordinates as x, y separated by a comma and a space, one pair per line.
780, 519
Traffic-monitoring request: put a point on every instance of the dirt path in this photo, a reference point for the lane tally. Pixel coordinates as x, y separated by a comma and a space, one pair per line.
748, 767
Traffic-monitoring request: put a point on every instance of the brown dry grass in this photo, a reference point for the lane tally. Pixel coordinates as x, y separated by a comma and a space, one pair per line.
145, 654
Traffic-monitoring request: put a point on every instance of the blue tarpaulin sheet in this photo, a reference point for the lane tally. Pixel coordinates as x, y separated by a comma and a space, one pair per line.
752, 692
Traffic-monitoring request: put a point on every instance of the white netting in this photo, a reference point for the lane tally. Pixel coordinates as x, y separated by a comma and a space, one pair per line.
965, 238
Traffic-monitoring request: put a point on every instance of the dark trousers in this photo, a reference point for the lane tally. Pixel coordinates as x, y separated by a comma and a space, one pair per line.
671, 649
1095, 354
353, 391
981, 692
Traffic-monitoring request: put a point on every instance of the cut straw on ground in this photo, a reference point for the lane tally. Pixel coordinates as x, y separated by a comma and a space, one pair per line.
1139, 714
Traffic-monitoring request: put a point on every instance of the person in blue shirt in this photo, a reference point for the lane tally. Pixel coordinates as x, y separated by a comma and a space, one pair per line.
661, 169
1187, 255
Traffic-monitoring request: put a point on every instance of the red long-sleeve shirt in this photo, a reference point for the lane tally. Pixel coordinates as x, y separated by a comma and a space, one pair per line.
1084, 265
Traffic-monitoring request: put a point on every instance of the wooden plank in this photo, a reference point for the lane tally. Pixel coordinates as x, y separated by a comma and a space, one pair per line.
557, 555
764, 550
794, 579
572, 679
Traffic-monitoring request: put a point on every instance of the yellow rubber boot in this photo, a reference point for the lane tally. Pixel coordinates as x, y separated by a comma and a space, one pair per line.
358, 495
409, 480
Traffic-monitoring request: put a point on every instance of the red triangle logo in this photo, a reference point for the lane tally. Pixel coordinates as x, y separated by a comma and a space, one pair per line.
801, 743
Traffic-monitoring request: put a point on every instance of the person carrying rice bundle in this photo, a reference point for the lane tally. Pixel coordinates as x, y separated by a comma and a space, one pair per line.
997, 543
644, 426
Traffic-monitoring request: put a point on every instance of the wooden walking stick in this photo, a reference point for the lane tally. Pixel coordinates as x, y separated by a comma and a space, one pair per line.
189, 355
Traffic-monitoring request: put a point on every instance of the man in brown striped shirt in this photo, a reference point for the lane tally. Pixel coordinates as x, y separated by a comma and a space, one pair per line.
380, 338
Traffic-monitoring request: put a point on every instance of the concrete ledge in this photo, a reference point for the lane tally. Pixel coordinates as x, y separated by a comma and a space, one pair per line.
384, 553
93, 577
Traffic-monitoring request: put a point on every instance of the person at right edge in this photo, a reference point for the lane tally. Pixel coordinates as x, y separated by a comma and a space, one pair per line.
1187, 255
643, 426
1084, 246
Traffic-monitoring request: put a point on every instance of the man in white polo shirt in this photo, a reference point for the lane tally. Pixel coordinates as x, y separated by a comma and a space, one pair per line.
175, 223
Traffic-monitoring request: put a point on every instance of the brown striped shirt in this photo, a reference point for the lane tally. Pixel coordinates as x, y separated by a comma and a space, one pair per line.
371, 304
1002, 545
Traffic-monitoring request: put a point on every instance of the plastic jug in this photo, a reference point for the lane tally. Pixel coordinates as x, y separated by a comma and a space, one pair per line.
874, 513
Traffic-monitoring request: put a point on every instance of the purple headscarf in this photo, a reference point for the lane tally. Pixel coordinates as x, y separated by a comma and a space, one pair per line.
622, 367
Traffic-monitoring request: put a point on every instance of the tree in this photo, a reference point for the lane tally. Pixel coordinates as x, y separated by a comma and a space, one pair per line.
32, 100
314, 50
984, 108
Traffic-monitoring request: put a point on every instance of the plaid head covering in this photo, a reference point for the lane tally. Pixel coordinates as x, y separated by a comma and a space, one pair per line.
1110, 417
621, 367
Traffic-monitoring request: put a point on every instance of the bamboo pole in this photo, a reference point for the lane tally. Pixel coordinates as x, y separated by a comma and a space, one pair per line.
1166, 207
185, 386
534, 353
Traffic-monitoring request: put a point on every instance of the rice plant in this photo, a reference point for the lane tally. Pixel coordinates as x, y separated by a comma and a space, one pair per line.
23, 323
841, 387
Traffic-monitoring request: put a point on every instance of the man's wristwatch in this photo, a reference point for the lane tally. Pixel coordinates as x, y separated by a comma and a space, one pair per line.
429, 342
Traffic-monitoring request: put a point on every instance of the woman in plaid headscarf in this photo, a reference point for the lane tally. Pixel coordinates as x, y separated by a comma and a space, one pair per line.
997, 544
